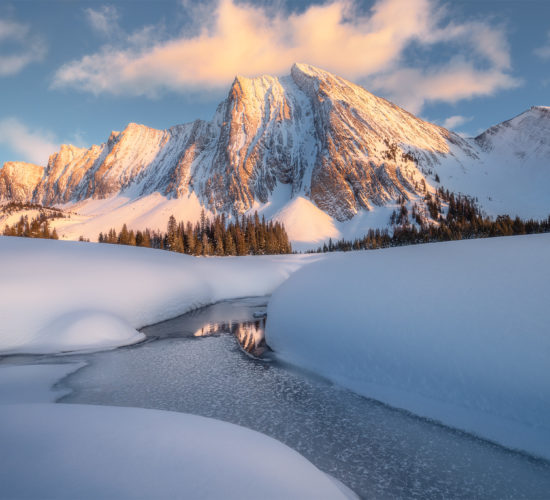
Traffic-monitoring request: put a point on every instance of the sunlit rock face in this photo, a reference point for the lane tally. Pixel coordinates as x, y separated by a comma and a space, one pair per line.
264, 135
368, 148
331, 141
18, 180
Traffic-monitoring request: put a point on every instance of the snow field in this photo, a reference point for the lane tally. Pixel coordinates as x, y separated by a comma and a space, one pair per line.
456, 332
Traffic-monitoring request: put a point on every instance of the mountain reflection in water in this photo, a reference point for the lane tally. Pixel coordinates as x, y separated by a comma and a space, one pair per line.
244, 319
250, 334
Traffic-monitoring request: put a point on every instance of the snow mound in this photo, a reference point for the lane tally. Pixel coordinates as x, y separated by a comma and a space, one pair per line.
73, 451
82, 330
305, 223
60, 295
457, 332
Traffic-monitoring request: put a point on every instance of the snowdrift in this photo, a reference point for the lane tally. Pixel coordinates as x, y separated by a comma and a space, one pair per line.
457, 332
63, 296
73, 451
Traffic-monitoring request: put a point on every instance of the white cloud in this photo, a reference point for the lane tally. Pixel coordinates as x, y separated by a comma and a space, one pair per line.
18, 48
34, 146
481, 66
237, 38
456, 121
544, 50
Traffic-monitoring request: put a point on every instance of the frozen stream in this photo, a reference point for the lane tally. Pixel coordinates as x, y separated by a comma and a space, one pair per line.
191, 365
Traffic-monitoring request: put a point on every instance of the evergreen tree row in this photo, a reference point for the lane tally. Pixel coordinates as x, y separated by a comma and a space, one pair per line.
37, 227
460, 219
248, 235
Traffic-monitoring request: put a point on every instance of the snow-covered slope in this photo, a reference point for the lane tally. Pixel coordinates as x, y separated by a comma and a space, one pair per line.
512, 174
85, 451
311, 135
523, 136
457, 332
102, 293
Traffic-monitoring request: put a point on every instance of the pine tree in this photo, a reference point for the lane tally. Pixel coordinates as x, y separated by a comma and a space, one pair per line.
171, 234
229, 244
205, 246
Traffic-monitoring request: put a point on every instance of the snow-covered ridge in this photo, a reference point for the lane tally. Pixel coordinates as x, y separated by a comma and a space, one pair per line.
529, 131
312, 135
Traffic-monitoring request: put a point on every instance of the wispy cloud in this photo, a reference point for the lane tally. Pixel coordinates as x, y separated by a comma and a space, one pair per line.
369, 47
18, 47
544, 50
456, 121
481, 66
104, 20
33, 145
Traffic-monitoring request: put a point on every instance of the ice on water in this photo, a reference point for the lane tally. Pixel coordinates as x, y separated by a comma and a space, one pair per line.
375, 450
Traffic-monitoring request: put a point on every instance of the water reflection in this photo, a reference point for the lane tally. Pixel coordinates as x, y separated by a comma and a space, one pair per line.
249, 334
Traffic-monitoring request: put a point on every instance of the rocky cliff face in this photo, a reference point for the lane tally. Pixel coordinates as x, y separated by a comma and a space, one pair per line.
331, 141
18, 180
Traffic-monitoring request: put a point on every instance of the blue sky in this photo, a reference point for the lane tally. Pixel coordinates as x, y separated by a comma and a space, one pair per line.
72, 71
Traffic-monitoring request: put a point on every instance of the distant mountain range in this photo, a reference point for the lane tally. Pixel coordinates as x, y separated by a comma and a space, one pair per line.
321, 154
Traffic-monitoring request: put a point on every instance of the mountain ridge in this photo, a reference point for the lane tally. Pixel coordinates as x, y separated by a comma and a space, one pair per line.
321, 137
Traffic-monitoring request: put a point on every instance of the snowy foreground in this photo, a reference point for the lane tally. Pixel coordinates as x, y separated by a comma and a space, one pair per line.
64, 296
457, 332
73, 451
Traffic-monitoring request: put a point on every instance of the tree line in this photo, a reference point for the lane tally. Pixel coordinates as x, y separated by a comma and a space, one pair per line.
17, 206
247, 235
462, 219
36, 227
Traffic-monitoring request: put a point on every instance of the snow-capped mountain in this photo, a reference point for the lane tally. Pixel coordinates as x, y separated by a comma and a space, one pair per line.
512, 174
522, 136
310, 148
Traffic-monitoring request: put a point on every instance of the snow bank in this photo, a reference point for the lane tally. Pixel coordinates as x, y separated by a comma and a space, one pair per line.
457, 332
72, 451
82, 330
61, 296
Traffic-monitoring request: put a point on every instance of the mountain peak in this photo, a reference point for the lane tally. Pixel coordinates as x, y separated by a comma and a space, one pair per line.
311, 71
541, 110
257, 86
307, 69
